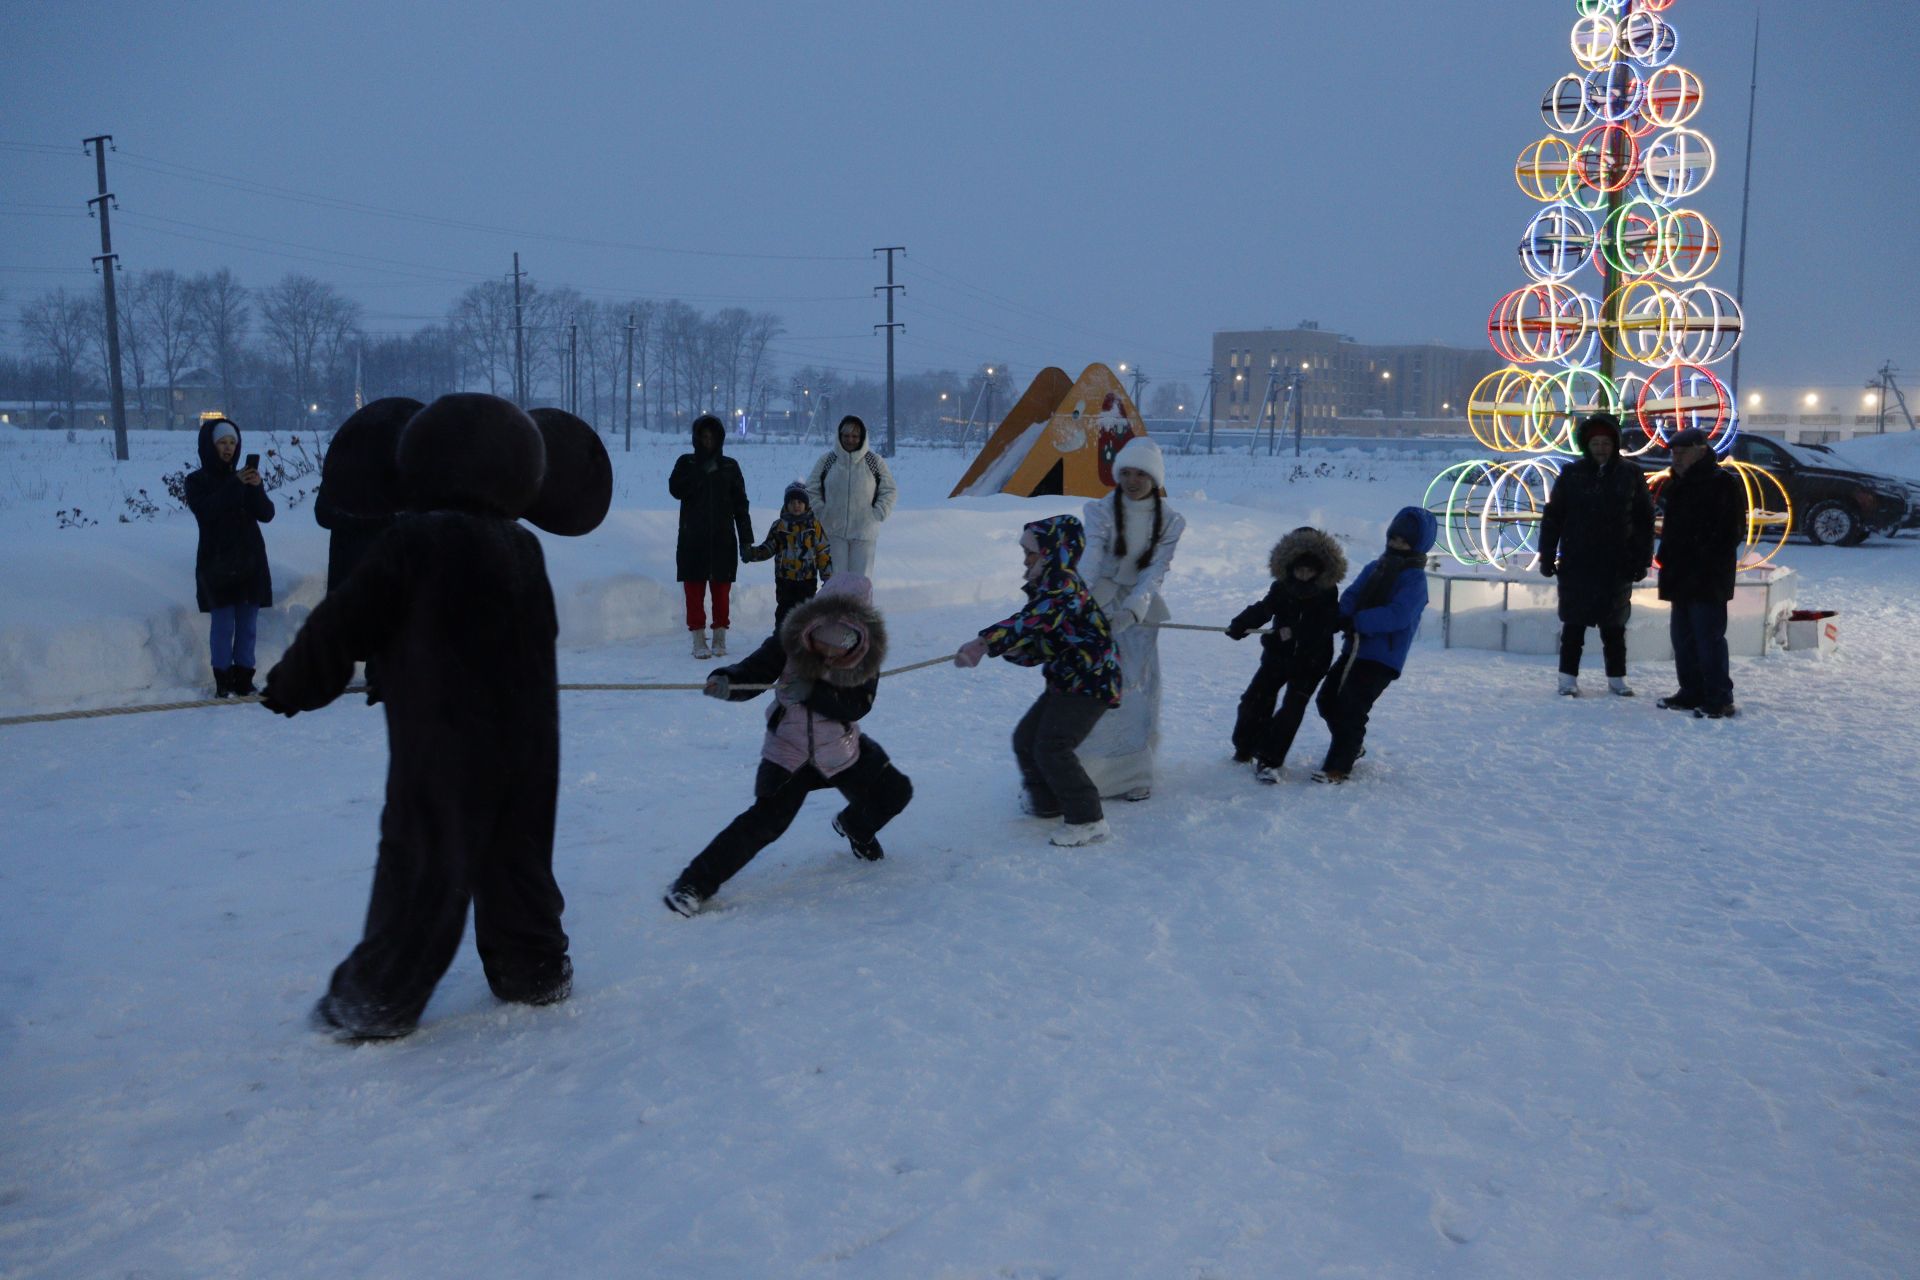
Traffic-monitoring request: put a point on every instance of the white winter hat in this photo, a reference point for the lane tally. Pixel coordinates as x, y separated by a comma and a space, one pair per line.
224, 430
1142, 454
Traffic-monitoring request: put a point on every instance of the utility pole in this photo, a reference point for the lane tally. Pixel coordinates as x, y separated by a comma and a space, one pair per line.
573, 364
1140, 380
1299, 409
890, 288
629, 382
106, 263
519, 338
1746, 194
1213, 383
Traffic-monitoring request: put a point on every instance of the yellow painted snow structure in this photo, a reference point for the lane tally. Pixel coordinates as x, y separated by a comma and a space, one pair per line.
1060, 438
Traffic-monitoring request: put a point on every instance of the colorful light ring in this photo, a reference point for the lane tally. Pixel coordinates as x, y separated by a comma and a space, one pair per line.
1561, 399
1673, 97
1545, 170
1500, 410
1684, 396
1677, 164
1558, 243
1489, 512
1543, 322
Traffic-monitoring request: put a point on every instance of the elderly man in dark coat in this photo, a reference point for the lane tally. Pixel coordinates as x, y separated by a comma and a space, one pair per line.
714, 529
1596, 536
1705, 526
455, 604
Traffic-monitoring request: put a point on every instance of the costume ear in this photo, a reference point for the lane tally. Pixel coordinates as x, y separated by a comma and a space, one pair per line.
362, 466
577, 492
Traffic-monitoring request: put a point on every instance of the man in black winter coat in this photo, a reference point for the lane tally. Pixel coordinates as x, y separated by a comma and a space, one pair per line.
455, 605
231, 579
714, 526
1596, 536
1704, 528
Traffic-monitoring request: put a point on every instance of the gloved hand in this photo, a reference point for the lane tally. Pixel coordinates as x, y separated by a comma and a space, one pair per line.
1122, 620
718, 686
970, 653
1641, 574
1285, 633
1548, 568
1236, 632
276, 706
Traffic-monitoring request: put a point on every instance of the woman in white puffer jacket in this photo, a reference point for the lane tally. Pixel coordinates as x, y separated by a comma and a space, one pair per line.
852, 492
1131, 536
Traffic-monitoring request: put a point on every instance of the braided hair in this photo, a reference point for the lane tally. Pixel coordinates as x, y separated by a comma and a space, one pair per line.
1120, 530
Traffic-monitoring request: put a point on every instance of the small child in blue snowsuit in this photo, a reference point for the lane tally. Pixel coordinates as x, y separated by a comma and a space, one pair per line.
1382, 610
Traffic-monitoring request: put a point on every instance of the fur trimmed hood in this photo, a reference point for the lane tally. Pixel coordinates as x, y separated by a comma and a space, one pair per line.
1309, 541
848, 606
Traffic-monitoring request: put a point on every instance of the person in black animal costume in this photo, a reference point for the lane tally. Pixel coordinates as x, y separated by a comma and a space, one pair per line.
455, 605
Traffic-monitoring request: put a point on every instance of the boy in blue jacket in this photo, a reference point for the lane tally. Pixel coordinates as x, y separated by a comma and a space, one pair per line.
1382, 607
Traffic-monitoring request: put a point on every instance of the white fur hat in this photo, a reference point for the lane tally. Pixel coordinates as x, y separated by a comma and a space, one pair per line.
1142, 454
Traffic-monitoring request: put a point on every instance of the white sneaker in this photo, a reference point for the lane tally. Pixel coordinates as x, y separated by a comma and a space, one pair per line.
683, 901
1269, 773
719, 642
1139, 793
1569, 685
1617, 685
1073, 835
700, 649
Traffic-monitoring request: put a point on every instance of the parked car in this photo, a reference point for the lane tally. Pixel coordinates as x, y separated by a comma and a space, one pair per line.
1833, 504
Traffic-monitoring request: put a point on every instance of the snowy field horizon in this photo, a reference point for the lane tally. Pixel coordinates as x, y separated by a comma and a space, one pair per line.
1554, 988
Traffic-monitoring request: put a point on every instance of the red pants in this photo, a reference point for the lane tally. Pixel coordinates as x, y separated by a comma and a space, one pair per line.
696, 604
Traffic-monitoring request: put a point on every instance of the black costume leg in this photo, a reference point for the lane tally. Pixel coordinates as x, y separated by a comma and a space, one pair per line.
778, 796
517, 903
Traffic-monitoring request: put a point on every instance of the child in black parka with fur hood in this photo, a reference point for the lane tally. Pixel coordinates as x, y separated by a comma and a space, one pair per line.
455, 604
1303, 608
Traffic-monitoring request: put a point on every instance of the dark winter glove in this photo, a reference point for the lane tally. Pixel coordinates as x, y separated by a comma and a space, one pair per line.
1236, 632
718, 686
1548, 568
1640, 575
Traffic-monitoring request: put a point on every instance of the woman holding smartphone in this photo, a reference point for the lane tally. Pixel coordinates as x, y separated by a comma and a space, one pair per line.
231, 578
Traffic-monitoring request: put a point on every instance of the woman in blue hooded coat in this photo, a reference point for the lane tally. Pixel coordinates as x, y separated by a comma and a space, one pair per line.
1382, 610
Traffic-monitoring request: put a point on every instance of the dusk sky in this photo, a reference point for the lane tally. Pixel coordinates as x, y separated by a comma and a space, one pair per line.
1073, 183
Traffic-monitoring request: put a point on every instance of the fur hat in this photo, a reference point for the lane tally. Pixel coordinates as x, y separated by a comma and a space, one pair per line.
798, 489
844, 601
472, 451
1142, 454
1692, 437
578, 488
361, 471
1309, 543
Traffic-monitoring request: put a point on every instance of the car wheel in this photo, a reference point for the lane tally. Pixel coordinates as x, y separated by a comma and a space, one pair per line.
1858, 537
1830, 524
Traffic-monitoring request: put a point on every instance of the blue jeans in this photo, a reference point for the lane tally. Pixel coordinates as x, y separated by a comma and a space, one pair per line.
232, 635
1699, 632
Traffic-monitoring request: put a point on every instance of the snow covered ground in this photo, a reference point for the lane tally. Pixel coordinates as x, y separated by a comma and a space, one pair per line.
1554, 989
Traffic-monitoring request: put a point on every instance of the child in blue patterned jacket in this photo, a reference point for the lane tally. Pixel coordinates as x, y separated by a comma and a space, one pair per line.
1062, 631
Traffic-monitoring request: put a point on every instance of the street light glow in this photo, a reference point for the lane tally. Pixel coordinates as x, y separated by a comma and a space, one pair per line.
1812, 400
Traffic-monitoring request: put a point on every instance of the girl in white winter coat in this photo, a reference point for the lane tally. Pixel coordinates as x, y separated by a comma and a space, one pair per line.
852, 493
1131, 537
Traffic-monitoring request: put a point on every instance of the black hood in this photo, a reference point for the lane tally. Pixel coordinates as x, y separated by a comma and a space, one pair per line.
712, 426
211, 460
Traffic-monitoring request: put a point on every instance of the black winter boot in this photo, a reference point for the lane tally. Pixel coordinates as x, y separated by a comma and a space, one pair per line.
222, 682
240, 681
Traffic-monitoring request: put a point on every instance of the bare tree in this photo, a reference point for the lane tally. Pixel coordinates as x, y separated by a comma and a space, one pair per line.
169, 324
481, 324
220, 303
308, 323
60, 328
133, 342
1170, 399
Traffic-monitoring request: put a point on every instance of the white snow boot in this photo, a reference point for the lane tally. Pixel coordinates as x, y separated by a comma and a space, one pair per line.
1075, 834
1617, 685
719, 642
1569, 685
1268, 773
700, 649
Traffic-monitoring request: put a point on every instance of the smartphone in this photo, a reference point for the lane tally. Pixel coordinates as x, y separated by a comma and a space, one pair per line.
253, 462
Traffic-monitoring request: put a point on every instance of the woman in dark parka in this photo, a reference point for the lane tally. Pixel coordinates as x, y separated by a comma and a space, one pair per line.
714, 529
230, 575
455, 604
1596, 536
